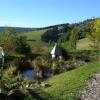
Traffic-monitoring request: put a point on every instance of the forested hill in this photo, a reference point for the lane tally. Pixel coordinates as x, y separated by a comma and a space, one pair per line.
65, 25
19, 29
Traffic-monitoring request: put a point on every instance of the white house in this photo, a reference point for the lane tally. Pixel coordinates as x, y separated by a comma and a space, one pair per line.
56, 51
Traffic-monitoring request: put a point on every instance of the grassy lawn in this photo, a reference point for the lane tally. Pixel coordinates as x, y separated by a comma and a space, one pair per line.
67, 85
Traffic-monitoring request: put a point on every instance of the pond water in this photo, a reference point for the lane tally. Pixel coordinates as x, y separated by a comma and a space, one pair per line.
32, 74
48, 74
29, 73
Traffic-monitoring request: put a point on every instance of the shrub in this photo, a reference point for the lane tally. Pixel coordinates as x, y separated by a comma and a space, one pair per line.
26, 84
11, 81
84, 55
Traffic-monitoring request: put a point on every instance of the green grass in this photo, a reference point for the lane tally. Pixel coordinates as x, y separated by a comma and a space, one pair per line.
2, 37
34, 35
67, 85
84, 44
34, 38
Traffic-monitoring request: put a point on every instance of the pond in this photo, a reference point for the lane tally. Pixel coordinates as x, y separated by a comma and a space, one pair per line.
29, 73
32, 74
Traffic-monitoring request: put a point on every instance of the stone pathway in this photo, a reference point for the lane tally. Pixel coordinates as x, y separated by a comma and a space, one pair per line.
92, 91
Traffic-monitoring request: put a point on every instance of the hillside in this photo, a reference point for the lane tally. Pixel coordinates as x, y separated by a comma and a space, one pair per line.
67, 85
23, 29
19, 29
84, 44
34, 37
42, 36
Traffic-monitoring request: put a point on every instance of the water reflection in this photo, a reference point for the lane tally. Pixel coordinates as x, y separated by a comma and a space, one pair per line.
29, 73
32, 74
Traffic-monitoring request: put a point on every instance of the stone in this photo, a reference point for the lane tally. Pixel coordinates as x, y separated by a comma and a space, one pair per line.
92, 91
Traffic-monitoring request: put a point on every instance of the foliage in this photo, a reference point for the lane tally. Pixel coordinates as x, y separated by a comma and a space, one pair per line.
41, 63
51, 35
55, 67
6, 40
55, 32
11, 81
94, 34
74, 37
84, 55
26, 84
29, 97
12, 43
21, 45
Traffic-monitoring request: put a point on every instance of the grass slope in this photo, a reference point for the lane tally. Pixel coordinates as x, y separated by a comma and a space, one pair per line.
67, 85
34, 35
84, 44
34, 40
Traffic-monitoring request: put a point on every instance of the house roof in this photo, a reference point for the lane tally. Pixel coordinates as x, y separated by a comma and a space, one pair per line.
56, 50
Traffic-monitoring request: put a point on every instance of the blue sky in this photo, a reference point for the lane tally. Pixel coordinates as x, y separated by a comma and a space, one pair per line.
39, 13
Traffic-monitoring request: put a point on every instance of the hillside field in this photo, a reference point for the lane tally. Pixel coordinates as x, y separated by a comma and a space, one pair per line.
35, 37
66, 86
84, 44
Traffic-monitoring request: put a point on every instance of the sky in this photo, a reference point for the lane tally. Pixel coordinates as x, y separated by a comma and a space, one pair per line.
41, 13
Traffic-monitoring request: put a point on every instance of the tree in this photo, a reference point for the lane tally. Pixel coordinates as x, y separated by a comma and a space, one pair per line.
6, 40
13, 43
74, 37
51, 35
94, 34
96, 29
21, 46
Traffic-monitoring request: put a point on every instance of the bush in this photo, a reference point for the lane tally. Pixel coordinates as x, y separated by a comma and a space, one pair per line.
84, 55
26, 84
10, 80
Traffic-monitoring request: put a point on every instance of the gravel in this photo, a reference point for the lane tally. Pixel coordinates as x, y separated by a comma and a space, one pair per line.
92, 91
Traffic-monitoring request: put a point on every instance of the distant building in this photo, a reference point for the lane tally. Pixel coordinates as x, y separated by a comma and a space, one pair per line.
56, 51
